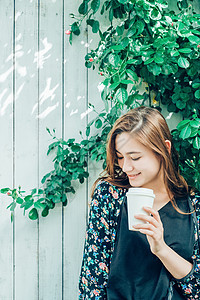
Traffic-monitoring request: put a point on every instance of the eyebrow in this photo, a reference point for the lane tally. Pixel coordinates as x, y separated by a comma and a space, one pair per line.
132, 152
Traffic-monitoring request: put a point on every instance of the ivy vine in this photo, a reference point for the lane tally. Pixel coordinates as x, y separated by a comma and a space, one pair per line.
146, 44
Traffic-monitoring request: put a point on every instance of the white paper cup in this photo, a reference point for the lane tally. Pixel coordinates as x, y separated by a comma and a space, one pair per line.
136, 199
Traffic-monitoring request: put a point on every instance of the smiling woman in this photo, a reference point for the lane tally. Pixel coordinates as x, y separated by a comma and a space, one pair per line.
156, 261
142, 166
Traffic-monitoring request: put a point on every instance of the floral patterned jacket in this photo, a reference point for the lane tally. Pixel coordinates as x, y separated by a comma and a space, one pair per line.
100, 241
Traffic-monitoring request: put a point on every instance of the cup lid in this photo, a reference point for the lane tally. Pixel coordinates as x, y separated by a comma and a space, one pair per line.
141, 191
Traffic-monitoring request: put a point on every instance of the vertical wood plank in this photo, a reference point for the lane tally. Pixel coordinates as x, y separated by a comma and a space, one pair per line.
50, 115
6, 147
75, 120
26, 147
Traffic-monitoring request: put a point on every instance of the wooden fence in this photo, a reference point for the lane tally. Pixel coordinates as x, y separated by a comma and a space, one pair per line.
43, 83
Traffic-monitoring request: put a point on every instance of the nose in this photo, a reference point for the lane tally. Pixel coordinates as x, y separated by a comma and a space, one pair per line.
127, 166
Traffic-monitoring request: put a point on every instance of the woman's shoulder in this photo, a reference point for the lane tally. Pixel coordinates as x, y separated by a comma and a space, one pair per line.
108, 197
104, 186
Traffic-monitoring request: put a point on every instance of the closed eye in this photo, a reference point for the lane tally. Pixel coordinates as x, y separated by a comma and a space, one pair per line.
136, 158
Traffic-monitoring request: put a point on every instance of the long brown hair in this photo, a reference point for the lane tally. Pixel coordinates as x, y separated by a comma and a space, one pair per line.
150, 128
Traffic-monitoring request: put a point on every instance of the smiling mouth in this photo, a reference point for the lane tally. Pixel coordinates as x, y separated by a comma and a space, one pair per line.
133, 176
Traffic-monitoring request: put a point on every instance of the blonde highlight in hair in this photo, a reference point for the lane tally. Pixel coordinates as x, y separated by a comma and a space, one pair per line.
150, 128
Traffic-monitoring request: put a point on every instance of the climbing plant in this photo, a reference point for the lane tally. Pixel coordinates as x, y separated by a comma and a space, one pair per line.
147, 44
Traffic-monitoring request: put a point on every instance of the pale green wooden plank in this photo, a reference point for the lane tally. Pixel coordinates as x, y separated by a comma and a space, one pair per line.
26, 147
6, 148
75, 109
50, 115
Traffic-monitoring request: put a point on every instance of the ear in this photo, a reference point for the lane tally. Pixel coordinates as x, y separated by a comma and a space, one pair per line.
169, 145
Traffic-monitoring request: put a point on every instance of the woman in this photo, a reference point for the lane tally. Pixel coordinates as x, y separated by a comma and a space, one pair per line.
161, 260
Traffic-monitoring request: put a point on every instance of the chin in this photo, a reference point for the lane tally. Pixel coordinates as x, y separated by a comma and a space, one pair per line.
135, 184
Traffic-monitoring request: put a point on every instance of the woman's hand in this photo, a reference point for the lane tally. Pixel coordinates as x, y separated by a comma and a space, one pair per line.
153, 229
174, 263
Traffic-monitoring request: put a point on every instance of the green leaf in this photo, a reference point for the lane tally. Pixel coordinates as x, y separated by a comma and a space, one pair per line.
27, 198
131, 32
87, 131
196, 143
33, 191
183, 62
14, 194
111, 14
83, 8
148, 61
180, 104
185, 132
45, 177
155, 14
98, 123
183, 124
117, 47
90, 22
5, 190
140, 26
120, 29
197, 94
39, 205
19, 200
158, 59
75, 28
121, 95
95, 5
196, 85
132, 61
45, 211
124, 42
123, 1
195, 123
106, 81
194, 132
12, 206
27, 204
95, 27
114, 85
57, 198
174, 53
156, 69
132, 74
185, 50
194, 39
113, 59
33, 214
125, 81
75, 148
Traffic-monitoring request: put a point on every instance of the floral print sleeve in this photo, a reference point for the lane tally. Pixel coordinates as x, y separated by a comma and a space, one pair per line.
190, 284
100, 239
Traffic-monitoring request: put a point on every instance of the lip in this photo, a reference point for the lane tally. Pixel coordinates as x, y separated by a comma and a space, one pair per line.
134, 176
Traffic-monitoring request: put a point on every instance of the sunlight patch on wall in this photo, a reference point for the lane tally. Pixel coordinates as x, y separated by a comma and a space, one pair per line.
47, 111
5, 75
73, 112
9, 99
48, 93
17, 15
41, 56
84, 114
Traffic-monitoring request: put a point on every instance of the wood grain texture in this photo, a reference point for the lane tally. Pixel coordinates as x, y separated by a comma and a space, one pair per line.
6, 148
26, 147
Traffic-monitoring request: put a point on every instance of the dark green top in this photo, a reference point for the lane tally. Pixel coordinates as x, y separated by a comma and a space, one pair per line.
135, 272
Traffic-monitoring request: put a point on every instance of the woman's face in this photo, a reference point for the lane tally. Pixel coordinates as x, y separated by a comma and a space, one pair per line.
141, 164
